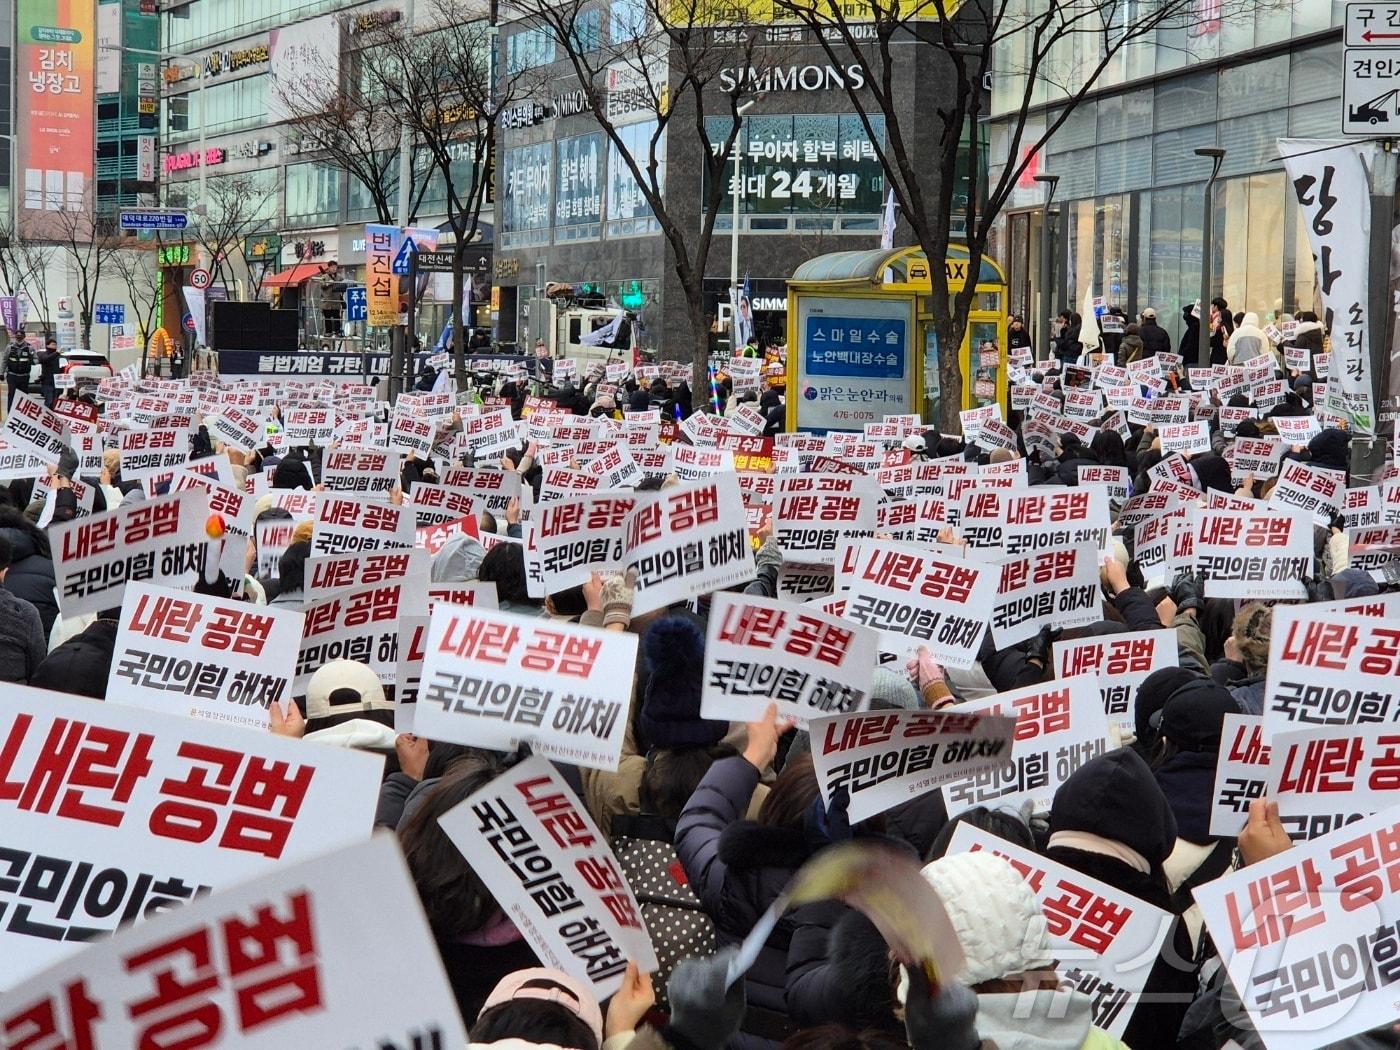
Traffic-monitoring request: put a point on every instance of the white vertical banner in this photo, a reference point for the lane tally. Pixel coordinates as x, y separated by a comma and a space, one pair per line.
1332, 187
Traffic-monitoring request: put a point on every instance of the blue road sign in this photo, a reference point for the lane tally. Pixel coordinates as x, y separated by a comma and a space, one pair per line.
356, 303
405, 254
153, 220
111, 313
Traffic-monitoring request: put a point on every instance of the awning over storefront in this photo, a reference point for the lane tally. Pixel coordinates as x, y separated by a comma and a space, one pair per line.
293, 275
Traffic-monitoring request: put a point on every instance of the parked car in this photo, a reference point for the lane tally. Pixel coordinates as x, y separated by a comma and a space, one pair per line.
87, 367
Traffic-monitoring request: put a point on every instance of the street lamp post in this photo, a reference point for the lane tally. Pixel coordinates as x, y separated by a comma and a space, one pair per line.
1047, 283
735, 193
1216, 155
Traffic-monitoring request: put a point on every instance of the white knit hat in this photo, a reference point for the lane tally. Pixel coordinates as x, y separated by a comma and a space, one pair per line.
995, 914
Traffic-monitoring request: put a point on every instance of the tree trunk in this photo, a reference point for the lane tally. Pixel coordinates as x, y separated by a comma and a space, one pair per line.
700, 348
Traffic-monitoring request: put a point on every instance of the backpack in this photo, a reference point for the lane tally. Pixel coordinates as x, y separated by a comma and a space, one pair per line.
678, 925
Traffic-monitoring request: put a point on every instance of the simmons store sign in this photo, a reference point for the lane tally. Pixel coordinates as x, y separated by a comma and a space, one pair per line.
793, 78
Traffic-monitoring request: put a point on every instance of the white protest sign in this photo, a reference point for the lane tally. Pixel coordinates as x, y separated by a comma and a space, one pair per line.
476, 594
1018, 521
360, 470
1117, 480
1187, 438
1308, 936
533, 844
811, 512
1252, 555
346, 524
1241, 773
272, 538
1049, 588
95, 557
759, 650
1060, 726
337, 571
1312, 489
687, 541
495, 680
1330, 669
408, 433
277, 966
308, 426
1104, 941
358, 623
32, 429
916, 597
1327, 777
201, 656
884, 758
434, 504
112, 813
1122, 663
242, 430
581, 536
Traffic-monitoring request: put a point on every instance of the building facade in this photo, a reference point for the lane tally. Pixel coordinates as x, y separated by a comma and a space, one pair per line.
1127, 213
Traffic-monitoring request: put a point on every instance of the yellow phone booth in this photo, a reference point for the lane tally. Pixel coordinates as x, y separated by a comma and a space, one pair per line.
861, 341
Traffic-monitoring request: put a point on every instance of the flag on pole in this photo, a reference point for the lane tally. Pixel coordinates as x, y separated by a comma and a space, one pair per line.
887, 224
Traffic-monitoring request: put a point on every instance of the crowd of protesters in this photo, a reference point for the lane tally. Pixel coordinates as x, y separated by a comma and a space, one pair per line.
711, 819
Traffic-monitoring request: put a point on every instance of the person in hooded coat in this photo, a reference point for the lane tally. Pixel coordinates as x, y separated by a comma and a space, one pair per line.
31, 574
737, 867
1246, 660
1248, 341
1331, 448
1184, 760
1110, 821
82, 665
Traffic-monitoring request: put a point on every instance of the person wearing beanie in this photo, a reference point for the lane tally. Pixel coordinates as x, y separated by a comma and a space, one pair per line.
83, 663
1184, 760
1151, 697
1007, 960
1331, 448
1110, 821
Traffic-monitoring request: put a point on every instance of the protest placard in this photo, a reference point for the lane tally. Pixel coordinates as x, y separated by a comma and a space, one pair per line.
914, 596
1060, 726
1049, 588
309, 426
336, 572
1309, 488
358, 623
1122, 663
32, 429
413, 640
97, 556
1330, 669
581, 536
349, 524
533, 844
1017, 521
1326, 777
433, 504
884, 758
112, 813
1105, 942
272, 538
202, 656
476, 594
1116, 480
239, 428
277, 966
1308, 936
1187, 438
1253, 554
759, 650
811, 512
370, 471
495, 680
146, 453
687, 541
410, 434
1241, 773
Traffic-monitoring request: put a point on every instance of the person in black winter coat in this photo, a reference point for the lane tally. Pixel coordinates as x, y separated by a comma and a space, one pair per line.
1154, 337
83, 664
31, 575
737, 867
1067, 347
1110, 821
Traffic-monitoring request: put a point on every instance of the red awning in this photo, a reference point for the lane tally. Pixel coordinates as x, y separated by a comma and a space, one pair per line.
298, 274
